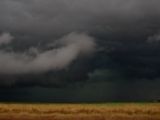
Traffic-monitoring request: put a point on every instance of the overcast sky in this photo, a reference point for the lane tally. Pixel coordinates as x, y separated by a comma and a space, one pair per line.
79, 50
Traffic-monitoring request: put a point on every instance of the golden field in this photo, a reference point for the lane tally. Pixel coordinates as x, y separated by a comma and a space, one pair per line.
121, 111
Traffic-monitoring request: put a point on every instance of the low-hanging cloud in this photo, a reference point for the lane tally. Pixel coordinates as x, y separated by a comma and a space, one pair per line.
5, 38
70, 47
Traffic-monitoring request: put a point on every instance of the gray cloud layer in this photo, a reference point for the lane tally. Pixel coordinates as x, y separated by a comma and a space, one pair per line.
61, 16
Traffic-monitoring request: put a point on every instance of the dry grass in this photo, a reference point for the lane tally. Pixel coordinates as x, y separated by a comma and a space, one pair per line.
80, 111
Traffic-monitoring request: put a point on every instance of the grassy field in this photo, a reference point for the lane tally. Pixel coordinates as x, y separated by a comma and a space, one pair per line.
121, 111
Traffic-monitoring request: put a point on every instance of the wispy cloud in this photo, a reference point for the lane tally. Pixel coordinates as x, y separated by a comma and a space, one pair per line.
71, 46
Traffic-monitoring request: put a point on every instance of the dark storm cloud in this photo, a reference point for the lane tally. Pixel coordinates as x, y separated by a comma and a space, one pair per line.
60, 16
51, 38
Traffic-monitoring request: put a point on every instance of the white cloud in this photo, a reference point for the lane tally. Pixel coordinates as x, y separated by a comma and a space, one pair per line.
72, 46
5, 38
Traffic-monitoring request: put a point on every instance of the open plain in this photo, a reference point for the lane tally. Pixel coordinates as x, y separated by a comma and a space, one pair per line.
109, 111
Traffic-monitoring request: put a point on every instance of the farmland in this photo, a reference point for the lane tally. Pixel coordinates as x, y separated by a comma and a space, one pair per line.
109, 111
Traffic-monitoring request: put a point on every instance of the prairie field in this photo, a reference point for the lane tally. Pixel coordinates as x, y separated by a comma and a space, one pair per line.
109, 111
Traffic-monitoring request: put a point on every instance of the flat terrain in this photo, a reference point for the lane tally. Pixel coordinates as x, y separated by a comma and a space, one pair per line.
122, 111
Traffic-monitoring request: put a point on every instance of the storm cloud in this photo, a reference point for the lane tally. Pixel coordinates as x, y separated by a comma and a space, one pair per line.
38, 17
76, 45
